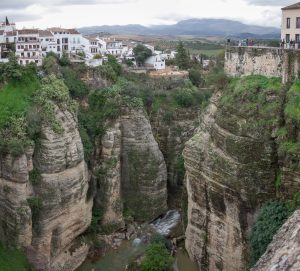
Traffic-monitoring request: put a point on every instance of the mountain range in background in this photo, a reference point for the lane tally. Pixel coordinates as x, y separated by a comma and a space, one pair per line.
192, 27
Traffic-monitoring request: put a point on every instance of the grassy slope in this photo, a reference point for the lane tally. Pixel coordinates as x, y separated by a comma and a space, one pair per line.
15, 97
13, 260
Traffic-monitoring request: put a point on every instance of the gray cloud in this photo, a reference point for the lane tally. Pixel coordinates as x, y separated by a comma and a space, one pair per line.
17, 4
280, 3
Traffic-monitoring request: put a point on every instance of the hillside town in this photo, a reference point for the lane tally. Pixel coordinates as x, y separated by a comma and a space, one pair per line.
32, 45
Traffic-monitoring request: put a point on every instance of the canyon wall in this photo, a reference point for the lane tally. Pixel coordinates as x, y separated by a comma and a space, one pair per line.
144, 172
267, 61
230, 169
45, 215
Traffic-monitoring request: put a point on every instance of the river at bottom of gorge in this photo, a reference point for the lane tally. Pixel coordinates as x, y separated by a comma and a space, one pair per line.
118, 259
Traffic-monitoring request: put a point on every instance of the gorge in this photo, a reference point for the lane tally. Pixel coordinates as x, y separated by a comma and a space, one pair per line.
96, 155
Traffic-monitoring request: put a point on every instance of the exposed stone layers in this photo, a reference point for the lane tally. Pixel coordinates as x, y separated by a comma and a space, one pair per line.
46, 217
228, 174
144, 173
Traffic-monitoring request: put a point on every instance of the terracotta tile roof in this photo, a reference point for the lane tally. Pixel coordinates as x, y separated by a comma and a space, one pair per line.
45, 33
28, 31
294, 6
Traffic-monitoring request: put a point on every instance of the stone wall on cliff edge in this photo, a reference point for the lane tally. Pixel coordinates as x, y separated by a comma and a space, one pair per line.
267, 61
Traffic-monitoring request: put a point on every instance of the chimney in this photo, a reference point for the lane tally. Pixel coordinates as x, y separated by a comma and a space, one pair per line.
6, 21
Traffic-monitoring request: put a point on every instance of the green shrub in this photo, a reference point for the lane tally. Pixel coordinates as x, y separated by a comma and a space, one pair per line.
35, 204
184, 97
168, 117
12, 259
271, 217
196, 77
77, 88
35, 176
51, 65
87, 144
157, 258
64, 59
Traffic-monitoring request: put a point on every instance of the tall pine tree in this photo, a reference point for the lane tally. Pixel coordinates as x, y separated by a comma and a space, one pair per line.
182, 57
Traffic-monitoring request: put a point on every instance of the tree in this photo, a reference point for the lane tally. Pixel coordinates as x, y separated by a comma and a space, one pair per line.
141, 53
196, 77
64, 60
113, 62
182, 57
270, 218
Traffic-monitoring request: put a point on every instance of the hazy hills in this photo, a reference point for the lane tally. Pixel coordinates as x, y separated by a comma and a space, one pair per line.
192, 27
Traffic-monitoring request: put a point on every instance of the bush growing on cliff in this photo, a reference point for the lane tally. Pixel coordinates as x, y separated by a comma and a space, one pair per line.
77, 88
157, 258
13, 260
53, 92
270, 218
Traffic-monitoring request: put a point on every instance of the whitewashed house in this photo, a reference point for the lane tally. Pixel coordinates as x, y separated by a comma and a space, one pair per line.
67, 40
47, 41
90, 46
8, 37
28, 47
114, 48
156, 62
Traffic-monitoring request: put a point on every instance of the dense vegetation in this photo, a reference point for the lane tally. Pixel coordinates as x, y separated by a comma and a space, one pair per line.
13, 260
271, 217
157, 257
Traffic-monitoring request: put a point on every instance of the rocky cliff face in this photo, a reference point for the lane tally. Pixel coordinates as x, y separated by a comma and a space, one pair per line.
171, 136
47, 216
108, 171
231, 168
144, 173
283, 253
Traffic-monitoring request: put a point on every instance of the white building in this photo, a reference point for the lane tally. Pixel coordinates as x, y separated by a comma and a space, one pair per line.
8, 37
90, 46
67, 40
156, 62
28, 47
114, 48
290, 25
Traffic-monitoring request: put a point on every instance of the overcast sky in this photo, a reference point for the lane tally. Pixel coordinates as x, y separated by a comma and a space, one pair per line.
77, 13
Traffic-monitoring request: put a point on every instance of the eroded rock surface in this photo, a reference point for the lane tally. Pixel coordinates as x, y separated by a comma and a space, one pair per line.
283, 252
229, 170
144, 172
47, 217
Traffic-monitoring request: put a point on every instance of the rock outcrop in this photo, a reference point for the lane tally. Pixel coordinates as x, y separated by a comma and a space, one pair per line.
171, 136
144, 173
108, 176
283, 253
229, 170
46, 216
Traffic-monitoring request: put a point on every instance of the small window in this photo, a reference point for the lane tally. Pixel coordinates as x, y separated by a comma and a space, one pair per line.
288, 22
297, 38
298, 22
287, 38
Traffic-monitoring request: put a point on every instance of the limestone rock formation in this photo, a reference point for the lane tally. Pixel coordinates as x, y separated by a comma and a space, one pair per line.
229, 170
144, 173
283, 253
172, 136
108, 171
46, 217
